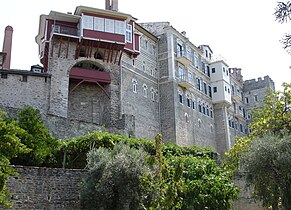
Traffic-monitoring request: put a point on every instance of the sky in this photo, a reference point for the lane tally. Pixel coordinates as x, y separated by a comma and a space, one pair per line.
243, 32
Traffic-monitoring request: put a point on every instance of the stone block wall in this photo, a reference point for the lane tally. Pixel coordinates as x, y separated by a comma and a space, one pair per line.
18, 92
46, 188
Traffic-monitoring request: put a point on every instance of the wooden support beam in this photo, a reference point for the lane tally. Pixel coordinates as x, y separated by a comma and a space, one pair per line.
116, 56
74, 88
92, 45
110, 60
103, 89
120, 56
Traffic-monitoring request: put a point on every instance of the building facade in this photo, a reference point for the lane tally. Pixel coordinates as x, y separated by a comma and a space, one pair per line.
100, 68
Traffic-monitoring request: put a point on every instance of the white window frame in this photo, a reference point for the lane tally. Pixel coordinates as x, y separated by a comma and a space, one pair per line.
87, 22
128, 35
99, 24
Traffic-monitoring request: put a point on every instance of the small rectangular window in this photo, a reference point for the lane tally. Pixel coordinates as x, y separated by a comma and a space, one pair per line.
188, 102
180, 98
129, 33
209, 91
205, 87
24, 78
256, 98
215, 89
213, 70
247, 100
200, 108
193, 104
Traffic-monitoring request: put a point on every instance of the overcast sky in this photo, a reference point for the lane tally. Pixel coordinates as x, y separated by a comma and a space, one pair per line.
244, 32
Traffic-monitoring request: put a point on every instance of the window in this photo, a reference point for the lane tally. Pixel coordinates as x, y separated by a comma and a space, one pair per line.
200, 108
205, 88
190, 77
225, 88
87, 22
209, 91
229, 123
179, 50
232, 124
193, 104
188, 102
3, 75
215, 89
199, 123
155, 73
181, 74
228, 90
223, 69
198, 83
204, 110
211, 113
24, 78
241, 128
152, 94
213, 70
207, 111
145, 90
181, 98
256, 98
247, 100
119, 27
99, 24
208, 71
129, 33
134, 84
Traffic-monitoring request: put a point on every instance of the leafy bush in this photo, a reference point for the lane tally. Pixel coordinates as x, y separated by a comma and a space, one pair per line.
114, 180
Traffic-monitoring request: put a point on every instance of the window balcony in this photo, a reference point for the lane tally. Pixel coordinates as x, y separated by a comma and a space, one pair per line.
183, 58
236, 97
185, 83
64, 30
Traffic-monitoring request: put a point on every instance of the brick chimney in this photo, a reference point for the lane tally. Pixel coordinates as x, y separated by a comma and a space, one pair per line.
7, 46
111, 5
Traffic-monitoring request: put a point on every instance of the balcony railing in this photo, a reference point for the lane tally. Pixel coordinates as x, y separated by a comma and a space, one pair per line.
185, 82
184, 57
65, 30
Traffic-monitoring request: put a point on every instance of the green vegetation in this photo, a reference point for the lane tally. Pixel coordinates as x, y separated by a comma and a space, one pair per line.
122, 171
10, 147
128, 176
265, 154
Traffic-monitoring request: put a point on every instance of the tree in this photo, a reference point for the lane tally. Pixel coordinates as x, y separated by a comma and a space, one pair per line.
10, 147
267, 167
114, 180
36, 137
273, 117
283, 15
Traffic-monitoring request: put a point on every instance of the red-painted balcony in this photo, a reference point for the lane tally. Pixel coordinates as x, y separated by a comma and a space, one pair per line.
89, 75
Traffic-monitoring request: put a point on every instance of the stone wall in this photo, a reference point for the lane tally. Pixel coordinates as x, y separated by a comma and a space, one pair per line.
46, 188
24, 88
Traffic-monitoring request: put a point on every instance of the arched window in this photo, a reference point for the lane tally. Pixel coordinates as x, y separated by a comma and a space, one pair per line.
134, 86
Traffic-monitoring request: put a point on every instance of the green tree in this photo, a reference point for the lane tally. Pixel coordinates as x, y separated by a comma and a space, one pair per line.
273, 117
267, 167
114, 179
10, 147
36, 137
